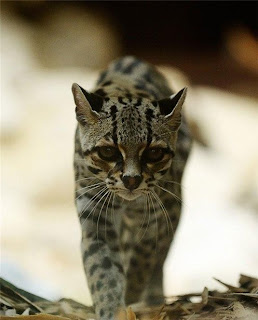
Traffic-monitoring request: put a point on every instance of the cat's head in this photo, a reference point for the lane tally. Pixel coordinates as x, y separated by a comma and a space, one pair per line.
128, 142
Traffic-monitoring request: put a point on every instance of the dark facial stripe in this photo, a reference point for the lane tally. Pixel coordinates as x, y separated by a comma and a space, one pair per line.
94, 170
149, 117
114, 123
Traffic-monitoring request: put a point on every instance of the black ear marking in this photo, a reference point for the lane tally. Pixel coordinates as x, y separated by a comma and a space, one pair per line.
87, 105
95, 101
167, 105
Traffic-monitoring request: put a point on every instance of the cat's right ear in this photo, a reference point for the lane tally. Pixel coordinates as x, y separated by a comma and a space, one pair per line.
87, 105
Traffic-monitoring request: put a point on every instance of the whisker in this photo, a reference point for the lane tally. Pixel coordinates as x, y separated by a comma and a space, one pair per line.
166, 190
148, 204
88, 191
91, 185
92, 200
156, 223
110, 197
89, 178
173, 182
145, 212
164, 210
108, 194
93, 209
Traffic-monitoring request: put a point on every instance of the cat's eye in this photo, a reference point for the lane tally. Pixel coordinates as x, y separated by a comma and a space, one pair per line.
108, 153
154, 154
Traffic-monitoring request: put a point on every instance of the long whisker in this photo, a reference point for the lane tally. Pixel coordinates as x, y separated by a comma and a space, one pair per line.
89, 178
90, 189
156, 226
105, 200
166, 190
93, 209
173, 182
92, 200
145, 212
164, 210
91, 185
110, 197
146, 228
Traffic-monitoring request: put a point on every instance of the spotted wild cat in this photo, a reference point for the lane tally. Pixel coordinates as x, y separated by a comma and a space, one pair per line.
131, 146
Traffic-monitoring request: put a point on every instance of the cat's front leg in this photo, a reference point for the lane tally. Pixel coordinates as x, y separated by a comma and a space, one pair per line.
101, 260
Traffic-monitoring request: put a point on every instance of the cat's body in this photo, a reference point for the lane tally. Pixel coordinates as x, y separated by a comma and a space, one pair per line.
125, 141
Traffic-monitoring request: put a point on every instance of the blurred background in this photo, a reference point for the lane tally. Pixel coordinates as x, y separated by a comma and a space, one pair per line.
209, 46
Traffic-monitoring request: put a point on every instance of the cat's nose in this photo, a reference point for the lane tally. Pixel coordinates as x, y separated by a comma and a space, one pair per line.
132, 182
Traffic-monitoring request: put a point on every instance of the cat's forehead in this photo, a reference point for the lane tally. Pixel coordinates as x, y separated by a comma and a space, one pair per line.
132, 120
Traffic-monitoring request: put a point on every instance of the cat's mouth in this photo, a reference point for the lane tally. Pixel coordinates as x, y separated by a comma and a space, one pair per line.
130, 195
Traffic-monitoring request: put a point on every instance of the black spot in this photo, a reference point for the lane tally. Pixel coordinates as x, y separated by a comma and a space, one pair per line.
101, 312
126, 246
129, 69
138, 103
102, 77
102, 276
147, 242
119, 267
120, 100
140, 277
111, 234
134, 262
112, 283
118, 66
106, 263
106, 99
92, 289
147, 77
94, 247
154, 103
100, 92
86, 153
139, 250
128, 95
140, 86
93, 268
143, 95
162, 172
149, 114
94, 170
107, 83
99, 285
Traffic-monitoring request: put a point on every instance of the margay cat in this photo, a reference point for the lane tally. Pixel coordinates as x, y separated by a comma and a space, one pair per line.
128, 181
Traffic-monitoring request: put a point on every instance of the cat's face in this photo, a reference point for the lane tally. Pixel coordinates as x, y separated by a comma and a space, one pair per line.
128, 145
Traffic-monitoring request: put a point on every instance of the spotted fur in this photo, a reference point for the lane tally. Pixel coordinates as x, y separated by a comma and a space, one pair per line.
131, 146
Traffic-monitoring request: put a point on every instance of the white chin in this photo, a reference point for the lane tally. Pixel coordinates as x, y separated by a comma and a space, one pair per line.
129, 195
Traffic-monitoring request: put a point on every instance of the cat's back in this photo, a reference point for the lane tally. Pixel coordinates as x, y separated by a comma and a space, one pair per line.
133, 76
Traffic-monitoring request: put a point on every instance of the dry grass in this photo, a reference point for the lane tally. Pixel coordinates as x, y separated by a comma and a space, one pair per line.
240, 303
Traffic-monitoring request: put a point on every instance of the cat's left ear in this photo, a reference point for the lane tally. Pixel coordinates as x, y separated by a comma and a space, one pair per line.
171, 108
87, 105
